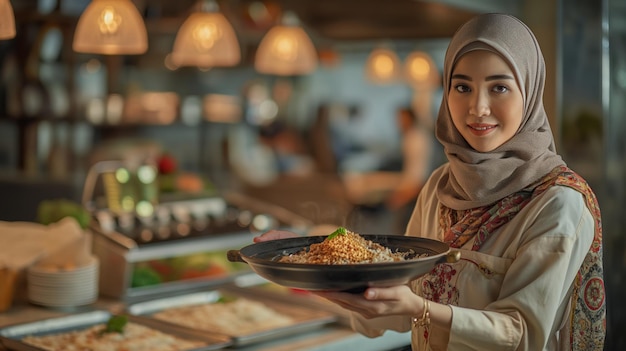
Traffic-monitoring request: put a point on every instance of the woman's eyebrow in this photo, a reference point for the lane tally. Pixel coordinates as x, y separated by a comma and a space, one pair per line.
494, 77
461, 76
499, 77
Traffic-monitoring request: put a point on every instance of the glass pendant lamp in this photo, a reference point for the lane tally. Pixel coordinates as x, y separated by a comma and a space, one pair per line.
206, 39
7, 20
111, 27
286, 49
382, 66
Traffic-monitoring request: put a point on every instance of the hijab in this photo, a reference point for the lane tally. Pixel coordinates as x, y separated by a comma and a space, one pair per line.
473, 178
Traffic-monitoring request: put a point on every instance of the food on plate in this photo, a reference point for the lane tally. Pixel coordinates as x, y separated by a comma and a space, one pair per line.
344, 247
240, 316
117, 334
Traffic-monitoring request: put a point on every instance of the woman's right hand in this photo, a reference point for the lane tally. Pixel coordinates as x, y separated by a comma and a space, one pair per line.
273, 235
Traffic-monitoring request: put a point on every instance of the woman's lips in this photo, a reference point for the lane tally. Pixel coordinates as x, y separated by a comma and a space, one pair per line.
480, 129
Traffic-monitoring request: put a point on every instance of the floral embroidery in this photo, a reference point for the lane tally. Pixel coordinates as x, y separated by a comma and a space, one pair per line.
486, 271
437, 285
594, 293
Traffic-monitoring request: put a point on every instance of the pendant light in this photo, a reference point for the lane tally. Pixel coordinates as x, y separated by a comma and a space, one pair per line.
206, 39
420, 71
382, 66
111, 27
286, 49
7, 20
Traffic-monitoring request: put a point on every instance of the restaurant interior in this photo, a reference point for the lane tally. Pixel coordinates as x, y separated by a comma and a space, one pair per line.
299, 133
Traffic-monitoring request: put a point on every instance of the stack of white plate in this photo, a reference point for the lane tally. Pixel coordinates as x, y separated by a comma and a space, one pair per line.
55, 287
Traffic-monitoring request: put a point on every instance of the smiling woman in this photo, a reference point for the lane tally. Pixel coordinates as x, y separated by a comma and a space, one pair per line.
527, 227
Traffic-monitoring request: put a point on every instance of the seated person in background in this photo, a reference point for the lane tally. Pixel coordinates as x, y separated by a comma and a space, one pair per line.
416, 150
291, 155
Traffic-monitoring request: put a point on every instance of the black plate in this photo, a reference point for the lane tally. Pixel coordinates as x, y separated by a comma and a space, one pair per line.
263, 259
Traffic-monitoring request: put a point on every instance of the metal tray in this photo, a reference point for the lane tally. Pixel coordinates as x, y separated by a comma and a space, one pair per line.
305, 319
11, 336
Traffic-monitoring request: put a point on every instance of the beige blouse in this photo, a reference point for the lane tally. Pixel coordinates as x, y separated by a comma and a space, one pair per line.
514, 293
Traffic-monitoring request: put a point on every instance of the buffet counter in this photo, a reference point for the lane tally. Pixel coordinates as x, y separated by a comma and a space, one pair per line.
157, 268
331, 337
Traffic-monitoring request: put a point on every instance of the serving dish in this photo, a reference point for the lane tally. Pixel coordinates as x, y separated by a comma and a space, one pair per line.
302, 318
11, 336
422, 256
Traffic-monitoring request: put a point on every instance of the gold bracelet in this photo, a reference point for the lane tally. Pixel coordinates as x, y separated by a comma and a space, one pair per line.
424, 323
425, 320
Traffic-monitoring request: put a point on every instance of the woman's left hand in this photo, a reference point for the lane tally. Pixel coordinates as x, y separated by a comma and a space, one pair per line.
378, 302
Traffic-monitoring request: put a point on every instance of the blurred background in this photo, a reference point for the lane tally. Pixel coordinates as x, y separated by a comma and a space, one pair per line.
320, 138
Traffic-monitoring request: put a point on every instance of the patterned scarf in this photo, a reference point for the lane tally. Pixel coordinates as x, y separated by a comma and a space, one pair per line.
588, 316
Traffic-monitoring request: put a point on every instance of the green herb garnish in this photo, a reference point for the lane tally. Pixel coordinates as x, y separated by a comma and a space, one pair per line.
336, 233
226, 299
115, 324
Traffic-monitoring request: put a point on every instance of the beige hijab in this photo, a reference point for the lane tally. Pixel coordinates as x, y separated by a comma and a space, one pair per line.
476, 179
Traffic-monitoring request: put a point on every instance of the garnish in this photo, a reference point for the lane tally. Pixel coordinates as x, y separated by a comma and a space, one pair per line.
336, 233
226, 299
115, 324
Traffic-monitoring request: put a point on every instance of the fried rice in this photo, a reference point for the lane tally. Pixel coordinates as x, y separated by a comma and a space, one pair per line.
345, 248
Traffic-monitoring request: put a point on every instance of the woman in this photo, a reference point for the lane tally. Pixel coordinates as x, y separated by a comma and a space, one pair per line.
528, 228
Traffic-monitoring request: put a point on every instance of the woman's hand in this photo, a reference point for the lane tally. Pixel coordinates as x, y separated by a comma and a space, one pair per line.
273, 235
378, 302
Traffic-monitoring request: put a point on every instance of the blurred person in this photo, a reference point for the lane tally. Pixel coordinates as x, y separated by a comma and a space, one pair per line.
320, 139
416, 155
291, 154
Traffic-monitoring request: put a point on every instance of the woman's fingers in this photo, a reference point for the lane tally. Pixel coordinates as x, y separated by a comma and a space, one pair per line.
387, 294
376, 302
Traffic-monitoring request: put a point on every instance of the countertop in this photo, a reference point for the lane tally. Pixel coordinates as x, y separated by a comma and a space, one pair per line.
328, 338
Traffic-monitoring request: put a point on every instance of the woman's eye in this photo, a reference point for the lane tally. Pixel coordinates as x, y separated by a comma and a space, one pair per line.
461, 88
500, 89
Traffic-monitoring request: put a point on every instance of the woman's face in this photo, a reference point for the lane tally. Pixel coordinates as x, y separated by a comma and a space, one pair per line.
485, 101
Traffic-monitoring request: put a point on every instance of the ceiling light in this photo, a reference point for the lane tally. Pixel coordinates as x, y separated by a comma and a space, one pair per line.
420, 70
206, 39
111, 27
7, 20
382, 66
286, 49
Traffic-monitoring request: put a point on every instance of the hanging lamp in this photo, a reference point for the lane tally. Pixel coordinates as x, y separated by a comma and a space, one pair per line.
7, 20
111, 27
420, 71
382, 66
286, 49
206, 39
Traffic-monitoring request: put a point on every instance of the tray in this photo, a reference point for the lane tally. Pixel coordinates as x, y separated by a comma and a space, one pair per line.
304, 319
11, 336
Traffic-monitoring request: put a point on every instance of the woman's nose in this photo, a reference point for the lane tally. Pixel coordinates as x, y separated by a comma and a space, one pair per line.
480, 105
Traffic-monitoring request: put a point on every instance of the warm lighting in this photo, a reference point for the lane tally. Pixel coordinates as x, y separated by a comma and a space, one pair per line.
382, 66
160, 108
420, 70
7, 20
111, 27
286, 50
206, 39
222, 108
